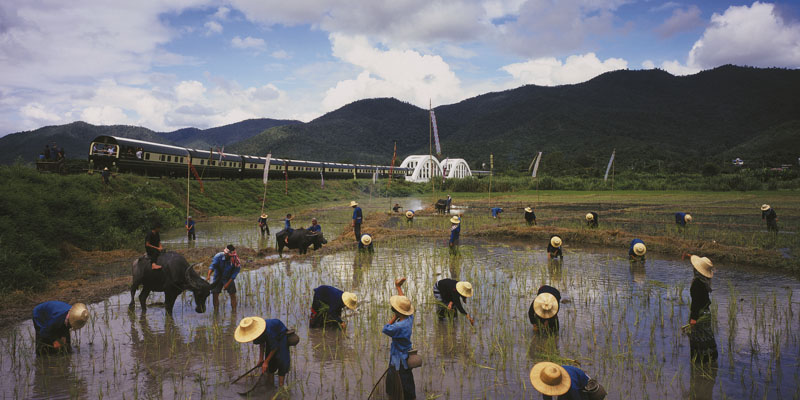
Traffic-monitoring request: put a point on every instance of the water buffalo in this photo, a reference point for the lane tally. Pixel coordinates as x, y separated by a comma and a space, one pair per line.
175, 276
299, 239
441, 206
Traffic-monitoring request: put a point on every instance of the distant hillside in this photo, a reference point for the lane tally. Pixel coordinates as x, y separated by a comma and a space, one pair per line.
223, 135
655, 121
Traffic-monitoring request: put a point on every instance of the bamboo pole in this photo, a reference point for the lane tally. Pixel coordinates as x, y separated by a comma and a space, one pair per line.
188, 181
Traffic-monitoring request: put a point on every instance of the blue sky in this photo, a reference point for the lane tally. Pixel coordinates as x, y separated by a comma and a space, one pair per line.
171, 64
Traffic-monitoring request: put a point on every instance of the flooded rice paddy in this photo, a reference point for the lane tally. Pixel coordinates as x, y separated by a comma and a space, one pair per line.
621, 322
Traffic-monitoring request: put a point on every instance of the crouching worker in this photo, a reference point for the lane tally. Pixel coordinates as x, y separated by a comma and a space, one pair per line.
554, 247
328, 304
496, 211
271, 337
564, 382
768, 214
449, 293
591, 220
399, 377
365, 244
52, 321
409, 217
225, 266
543, 312
681, 219
637, 250
530, 216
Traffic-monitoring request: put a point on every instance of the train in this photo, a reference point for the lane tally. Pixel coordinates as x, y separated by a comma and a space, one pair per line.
155, 159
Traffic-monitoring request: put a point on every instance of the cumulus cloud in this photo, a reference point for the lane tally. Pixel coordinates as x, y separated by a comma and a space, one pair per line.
213, 28
248, 42
675, 67
280, 54
548, 71
222, 13
680, 21
648, 64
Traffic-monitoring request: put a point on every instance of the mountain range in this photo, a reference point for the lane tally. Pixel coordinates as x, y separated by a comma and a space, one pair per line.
655, 121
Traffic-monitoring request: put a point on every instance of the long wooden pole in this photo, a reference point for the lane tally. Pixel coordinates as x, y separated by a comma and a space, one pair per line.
430, 151
188, 181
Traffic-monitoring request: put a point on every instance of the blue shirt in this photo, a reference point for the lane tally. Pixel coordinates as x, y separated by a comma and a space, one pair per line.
455, 232
315, 228
190, 223
357, 217
496, 210
578, 381
680, 218
49, 318
633, 243
274, 338
287, 224
332, 297
400, 332
223, 269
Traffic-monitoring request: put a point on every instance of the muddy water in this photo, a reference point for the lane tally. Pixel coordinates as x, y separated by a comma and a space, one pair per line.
622, 323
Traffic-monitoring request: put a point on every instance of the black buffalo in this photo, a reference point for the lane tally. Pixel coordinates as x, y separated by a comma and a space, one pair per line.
441, 206
175, 276
299, 239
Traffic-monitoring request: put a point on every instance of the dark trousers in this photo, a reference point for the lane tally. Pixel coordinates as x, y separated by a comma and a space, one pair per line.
357, 231
772, 226
264, 230
401, 381
190, 235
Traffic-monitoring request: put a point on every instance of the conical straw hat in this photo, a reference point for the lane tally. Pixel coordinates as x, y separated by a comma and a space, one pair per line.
402, 304
78, 315
249, 329
703, 265
366, 239
550, 379
555, 241
545, 305
464, 289
639, 249
350, 300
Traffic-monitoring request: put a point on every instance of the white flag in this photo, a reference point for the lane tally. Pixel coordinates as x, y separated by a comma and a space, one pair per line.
266, 168
321, 180
436, 133
375, 176
536, 166
609, 164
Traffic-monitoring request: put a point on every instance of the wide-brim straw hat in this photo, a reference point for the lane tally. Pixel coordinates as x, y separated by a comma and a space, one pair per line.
589, 216
555, 241
639, 249
78, 315
545, 305
550, 379
249, 329
263, 215
409, 214
528, 209
703, 265
765, 207
402, 304
105, 169
350, 300
455, 220
464, 288
366, 239
353, 204
687, 218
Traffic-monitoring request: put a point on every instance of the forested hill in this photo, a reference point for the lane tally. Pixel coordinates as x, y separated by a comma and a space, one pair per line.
653, 119
223, 135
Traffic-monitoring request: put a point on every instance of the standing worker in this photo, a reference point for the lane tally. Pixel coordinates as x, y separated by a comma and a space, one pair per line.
263, 221
496, 211
106, 174
564, 382
447, 204
702, 345
530, 216
328, 304
271, 337
152, 245
681, 219
768, 214
455, 234
190, 229
637, 250
225, 266
358, 218
591, 220
543, 312
52, 321
449, 293
554, 247
399, 328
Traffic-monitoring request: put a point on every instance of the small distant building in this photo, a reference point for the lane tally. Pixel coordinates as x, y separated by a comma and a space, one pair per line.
738, 162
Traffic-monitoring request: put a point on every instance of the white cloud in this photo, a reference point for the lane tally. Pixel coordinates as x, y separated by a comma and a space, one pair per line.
222, 13
675, 67
281, 55
757, 36
665, 6
38, 113
458, 52
104, 115
680, 21
248, 42
648, 64
213, 28
548, 71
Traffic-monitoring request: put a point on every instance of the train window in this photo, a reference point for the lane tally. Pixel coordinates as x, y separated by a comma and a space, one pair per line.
202, 162
169, 158
213, 162
162, 157
146, 156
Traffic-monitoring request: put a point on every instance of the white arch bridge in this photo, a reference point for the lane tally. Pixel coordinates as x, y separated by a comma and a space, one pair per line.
423, 167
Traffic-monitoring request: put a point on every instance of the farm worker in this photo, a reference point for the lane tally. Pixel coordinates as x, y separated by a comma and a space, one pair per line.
262, 224
496, 212
637, 250
448, 202
409, 216
358, 218
271, 337
397, 207
226, 266
682, 219
543, 311
449, 293
702, 345
591, 220
152, 245
52, 321
560, 381
554, 247
768, 213
399, 329
328, 304
365, 244
190, 229
455, 233
530, 216
47, 152
315, 227
105, 175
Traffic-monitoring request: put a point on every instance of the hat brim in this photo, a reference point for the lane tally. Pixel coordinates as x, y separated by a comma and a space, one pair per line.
545, 298
550, 390
455, 220
78, 315
347, 300
395, 302
366, 240
243, 337
699, 264
463, 289
639, 250
528, 209
556, 243
263, 215
765, 207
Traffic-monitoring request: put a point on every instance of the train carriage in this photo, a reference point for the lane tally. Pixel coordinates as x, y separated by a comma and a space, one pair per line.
131, 155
